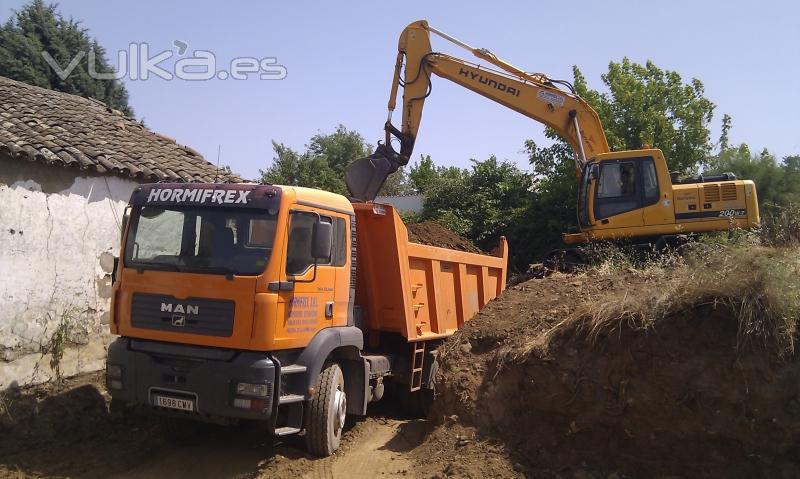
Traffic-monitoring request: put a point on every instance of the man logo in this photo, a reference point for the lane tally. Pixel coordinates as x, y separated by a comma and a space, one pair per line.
179, 321
180, 308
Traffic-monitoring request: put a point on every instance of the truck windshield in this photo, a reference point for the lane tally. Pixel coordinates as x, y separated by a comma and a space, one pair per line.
200, 239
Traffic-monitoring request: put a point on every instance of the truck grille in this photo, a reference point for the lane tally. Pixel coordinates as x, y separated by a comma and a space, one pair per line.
211, 317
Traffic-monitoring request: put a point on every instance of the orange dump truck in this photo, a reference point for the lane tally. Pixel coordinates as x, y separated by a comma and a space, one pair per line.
287, 305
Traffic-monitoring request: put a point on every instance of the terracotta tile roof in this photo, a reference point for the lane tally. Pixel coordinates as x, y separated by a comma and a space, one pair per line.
65, 130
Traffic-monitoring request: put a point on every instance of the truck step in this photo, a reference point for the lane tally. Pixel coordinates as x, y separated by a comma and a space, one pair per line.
286, 430
293, 369
290, 398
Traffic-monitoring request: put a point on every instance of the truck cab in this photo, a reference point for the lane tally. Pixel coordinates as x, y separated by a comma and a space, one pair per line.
239, 302
214, 276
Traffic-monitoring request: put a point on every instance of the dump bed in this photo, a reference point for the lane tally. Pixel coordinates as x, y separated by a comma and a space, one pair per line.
421, 292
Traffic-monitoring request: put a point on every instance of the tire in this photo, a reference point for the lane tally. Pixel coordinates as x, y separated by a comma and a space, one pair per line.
326, 412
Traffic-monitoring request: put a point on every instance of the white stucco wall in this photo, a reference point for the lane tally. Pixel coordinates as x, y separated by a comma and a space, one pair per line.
403, 204
59, 232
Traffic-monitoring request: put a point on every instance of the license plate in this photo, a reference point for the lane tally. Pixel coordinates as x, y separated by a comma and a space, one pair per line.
174, 403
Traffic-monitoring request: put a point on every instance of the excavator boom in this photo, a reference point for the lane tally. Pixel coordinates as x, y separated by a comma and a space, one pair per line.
531, 94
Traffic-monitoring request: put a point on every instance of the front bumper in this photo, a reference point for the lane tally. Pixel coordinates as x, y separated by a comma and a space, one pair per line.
207, 376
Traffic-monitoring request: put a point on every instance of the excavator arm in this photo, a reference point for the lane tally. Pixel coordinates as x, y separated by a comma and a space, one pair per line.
531, 94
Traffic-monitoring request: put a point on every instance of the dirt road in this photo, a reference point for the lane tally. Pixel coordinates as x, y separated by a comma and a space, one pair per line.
377, 451
373, 447
69, 433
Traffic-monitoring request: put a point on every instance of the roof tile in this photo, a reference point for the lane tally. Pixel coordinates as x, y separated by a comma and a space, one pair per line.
59, 129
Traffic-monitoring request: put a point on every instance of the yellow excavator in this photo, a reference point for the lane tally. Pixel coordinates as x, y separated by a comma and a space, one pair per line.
623, 195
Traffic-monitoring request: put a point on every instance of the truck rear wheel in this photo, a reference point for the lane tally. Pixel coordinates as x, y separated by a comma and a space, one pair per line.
326, 412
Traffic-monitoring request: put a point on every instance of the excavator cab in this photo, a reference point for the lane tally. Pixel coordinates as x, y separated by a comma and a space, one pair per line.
618, 190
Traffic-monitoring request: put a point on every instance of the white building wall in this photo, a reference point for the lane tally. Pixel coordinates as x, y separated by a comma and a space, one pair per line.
403, 204
59, 233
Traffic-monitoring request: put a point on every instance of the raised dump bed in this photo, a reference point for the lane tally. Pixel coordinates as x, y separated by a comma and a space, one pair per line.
421, 292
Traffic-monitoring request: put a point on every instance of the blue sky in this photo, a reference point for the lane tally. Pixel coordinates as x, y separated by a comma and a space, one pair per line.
339, 61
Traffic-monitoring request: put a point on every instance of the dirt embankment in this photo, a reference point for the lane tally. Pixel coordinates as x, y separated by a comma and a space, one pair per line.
434, 234
49, 431
684, 372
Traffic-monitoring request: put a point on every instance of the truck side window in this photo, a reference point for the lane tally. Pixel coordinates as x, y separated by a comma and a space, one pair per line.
339, 242
298, 252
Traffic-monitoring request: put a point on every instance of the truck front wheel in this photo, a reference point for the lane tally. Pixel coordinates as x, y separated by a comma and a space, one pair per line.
326, 412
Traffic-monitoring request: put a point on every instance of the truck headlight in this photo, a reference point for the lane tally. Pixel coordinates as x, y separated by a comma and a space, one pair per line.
250, 389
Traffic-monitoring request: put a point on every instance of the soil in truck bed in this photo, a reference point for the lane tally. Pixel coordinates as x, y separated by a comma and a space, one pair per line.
433, 234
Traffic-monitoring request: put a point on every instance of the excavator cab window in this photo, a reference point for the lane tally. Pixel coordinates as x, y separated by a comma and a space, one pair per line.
625, 185
649, 181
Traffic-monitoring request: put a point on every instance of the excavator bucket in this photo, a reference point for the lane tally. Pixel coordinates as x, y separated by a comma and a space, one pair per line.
365, 176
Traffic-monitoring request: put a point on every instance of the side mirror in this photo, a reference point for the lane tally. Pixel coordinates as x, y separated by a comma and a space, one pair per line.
321, 240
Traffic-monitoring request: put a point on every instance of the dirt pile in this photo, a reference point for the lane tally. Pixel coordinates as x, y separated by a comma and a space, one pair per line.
434, 234
687, 371
68, 430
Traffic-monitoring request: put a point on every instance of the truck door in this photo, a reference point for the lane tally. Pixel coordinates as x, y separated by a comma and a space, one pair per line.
308, 303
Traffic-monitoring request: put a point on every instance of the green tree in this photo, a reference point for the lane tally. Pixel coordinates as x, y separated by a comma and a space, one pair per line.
38, 29
323, 163
777, 183
481, 203
397, 184
290, 167
425, 175
551, 208
645, 105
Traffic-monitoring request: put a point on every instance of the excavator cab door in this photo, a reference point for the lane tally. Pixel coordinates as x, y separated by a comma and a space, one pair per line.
624, 187
590, 173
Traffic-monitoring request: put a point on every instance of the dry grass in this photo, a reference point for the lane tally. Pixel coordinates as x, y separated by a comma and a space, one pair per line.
757, 286
780, 226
